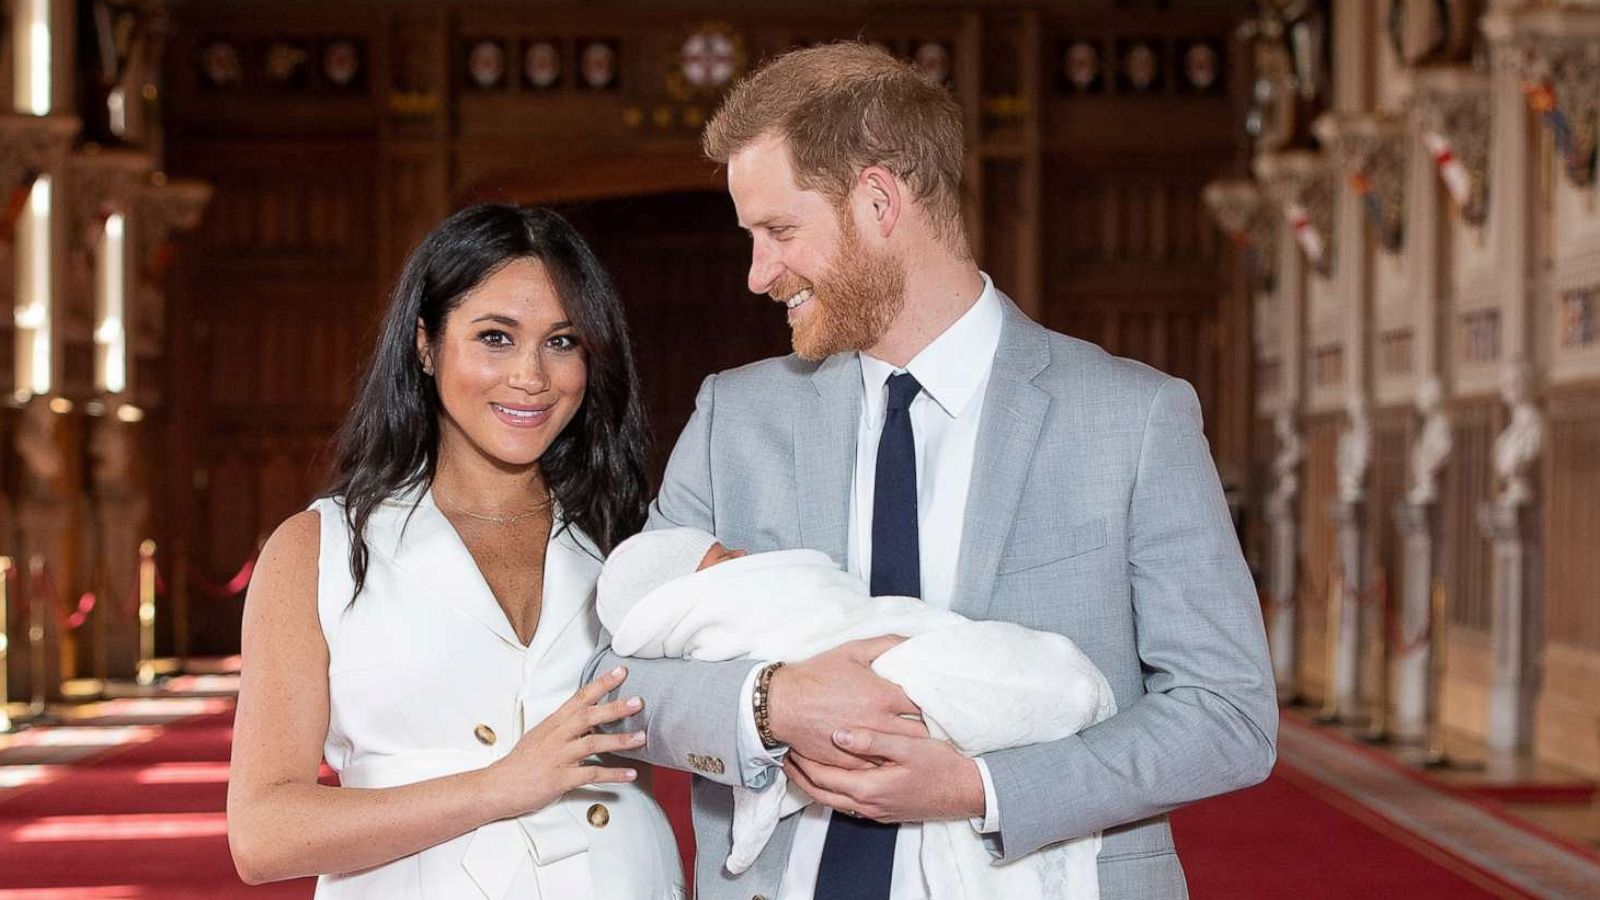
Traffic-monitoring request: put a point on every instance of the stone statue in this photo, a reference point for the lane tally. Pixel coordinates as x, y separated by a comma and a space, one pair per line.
1285, 467
1355, 451
1432, 448
1517, 448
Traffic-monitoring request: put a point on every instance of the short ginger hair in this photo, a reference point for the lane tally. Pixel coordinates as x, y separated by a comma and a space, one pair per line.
845, 106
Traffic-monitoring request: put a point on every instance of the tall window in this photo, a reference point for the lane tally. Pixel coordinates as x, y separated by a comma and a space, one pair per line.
32, 56
34, 291
34, 288
110, 337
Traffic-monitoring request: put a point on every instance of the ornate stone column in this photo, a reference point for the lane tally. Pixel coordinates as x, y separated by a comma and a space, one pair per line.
1354, 458
1247, 215
1283, 518
1415, 516
1510, 521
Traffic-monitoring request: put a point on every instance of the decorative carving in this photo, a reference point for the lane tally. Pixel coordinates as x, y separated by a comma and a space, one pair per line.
1432, 32
1372, 153
1518, 446
1451, 111
103, 182
1285, 469
43, 466
1354, 453
29, 147
1289, 43
1246, 216
162, 209
1301, 184
1432, 449
1560, 73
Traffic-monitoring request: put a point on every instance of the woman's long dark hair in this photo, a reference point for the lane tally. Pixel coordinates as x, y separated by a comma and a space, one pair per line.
389, 443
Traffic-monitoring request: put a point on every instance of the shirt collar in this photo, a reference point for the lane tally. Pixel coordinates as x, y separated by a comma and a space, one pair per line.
953, 366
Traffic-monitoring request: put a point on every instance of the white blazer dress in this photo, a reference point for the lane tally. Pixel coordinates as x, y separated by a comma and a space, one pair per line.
426, 678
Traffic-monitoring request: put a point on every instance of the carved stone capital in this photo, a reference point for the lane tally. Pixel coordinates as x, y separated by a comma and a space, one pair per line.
1248, 217
163, 207
102, 182
1450, 110
1301, 184
33, 145
1371, 151
1555, 53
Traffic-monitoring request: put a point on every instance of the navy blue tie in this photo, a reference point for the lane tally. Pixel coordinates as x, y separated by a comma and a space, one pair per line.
858, 854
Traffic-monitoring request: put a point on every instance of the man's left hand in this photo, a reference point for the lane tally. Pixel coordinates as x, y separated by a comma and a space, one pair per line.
916, 779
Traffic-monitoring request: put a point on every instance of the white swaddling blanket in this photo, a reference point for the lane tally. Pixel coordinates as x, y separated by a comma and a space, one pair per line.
983, 686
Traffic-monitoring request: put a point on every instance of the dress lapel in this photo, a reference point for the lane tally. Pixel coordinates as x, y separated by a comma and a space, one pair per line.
571, 568
825, 425
420, 542
1013, 415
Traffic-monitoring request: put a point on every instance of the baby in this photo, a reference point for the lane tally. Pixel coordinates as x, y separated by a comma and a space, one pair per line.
679, 593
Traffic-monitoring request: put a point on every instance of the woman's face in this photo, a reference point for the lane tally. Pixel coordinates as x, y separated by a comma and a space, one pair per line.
508, 365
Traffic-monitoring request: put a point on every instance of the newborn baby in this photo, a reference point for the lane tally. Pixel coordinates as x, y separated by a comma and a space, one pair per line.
983, 686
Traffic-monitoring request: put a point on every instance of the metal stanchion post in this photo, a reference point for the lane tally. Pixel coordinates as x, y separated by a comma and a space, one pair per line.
5, 642
1332, 622
147, 613
39, 608
180, 606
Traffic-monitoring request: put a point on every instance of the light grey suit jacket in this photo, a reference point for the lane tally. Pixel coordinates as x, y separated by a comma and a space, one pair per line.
1095, 511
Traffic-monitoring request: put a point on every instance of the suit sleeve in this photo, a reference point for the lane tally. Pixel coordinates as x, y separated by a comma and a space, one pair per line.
1208, 721
690, 708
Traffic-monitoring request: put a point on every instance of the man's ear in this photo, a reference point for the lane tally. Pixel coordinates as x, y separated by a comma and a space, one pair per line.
424, 349
882, 199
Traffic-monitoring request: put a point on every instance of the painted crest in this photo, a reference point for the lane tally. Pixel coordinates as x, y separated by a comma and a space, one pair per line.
219, 63
598, 65
341, 63
486, 64
933, 61
1081, 64
541, 64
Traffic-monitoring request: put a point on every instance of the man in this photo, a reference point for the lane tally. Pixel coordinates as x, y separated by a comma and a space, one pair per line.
932, 439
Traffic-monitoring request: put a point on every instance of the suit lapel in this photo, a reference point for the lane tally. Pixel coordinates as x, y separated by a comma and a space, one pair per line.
825, 426
1013, 416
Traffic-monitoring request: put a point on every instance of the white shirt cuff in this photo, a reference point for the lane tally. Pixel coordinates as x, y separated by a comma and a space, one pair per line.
990, 823
758, 766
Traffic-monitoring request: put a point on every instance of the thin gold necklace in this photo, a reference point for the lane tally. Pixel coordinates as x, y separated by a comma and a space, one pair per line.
499, 520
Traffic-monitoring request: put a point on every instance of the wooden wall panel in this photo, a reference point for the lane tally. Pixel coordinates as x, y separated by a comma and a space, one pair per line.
1466, 484
1572, 520
1318, 546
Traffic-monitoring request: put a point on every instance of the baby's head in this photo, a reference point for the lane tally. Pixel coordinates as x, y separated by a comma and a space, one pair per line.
649, 560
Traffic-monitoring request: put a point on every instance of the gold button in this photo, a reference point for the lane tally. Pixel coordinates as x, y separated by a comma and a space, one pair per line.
599, 816
484, 734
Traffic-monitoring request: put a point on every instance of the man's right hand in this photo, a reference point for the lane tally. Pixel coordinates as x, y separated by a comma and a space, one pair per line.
811, 699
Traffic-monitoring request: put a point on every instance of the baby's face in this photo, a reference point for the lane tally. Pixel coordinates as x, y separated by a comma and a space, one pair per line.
718, 554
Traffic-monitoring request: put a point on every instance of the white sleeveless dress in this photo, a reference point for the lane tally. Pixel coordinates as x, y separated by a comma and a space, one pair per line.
426, 678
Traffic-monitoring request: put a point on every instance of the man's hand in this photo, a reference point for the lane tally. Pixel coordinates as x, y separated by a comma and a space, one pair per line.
917, 779
813, 698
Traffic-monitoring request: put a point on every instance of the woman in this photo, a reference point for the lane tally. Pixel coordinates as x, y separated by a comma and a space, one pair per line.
423, 625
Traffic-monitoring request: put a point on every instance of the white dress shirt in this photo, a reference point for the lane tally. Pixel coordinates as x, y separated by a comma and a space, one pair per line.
954, 373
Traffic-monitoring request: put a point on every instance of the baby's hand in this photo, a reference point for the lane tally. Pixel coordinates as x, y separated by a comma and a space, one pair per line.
719, 554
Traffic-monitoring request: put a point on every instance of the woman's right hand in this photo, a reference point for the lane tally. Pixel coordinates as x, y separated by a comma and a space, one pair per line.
548, 760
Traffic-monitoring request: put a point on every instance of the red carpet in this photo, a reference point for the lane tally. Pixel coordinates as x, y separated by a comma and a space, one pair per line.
146, 821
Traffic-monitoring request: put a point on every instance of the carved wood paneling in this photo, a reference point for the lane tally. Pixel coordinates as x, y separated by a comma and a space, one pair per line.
1465, 484
679, 262
1572, 520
